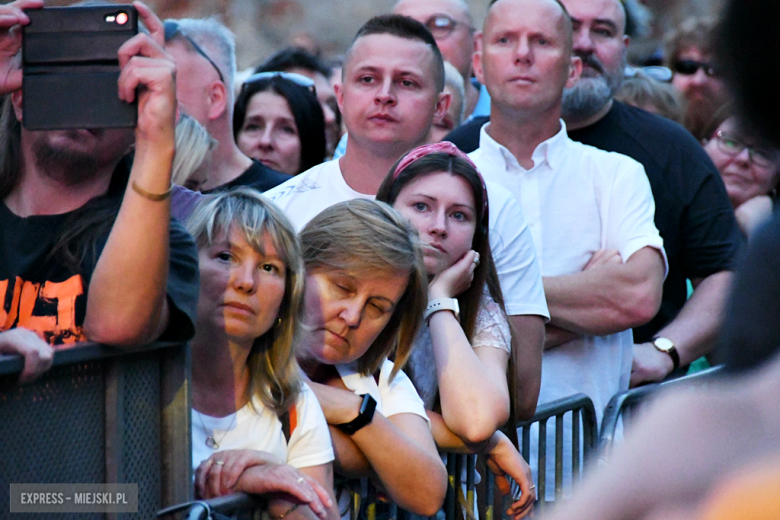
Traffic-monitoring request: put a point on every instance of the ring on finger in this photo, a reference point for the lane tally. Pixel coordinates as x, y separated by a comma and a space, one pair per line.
532, 486
300, 480
219, 462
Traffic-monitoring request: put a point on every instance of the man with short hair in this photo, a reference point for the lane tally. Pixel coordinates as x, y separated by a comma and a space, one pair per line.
205, 55
452, 25
391, 91
693, 216
590, 212
300, 61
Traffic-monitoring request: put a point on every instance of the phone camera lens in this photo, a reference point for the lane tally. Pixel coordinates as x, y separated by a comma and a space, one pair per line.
121, 18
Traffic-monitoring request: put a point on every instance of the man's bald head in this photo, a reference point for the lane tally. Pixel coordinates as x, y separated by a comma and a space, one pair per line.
451, 24
565, 21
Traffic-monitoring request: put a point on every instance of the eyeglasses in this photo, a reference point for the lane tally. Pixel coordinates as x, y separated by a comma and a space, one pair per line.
730, 145
441, 25
691, 67
298, 79
655, 72
173, 29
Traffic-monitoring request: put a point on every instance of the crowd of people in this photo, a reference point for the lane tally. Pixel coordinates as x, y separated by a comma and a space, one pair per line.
381, 268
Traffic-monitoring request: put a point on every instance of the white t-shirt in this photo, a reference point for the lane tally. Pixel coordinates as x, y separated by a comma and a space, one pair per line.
392, 397
579, 199
307, 194
261, 430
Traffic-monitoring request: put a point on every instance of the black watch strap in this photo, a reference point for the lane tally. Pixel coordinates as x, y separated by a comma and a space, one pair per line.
366, 413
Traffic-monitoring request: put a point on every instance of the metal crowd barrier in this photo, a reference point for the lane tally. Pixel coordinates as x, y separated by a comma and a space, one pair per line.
625, 404
100, 416
239, 506
584, 442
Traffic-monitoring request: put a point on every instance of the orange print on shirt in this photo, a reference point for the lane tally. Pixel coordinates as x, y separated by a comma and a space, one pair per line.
56, 329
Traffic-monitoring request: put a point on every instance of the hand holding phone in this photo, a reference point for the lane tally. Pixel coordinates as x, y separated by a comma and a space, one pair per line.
12, 17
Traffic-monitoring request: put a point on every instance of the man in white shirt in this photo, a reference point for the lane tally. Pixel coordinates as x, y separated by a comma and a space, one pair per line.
391, 92
590, 212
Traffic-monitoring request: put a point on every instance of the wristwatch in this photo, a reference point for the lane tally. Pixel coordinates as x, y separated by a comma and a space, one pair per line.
442, 304
366, 413
666, 345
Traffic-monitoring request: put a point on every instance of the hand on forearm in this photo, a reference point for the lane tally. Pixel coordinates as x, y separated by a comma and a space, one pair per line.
608, 298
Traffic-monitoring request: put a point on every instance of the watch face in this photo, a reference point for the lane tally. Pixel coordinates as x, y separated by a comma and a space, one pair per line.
663, 344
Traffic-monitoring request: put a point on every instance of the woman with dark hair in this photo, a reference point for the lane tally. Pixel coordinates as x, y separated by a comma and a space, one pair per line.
749, 167
278, 121
460, 363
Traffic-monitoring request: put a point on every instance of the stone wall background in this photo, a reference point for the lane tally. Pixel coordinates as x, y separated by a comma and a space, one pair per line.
264, 26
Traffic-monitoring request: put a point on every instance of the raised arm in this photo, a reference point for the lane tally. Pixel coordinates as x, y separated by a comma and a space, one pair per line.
608, 298
472, 382
136, 254
399, 449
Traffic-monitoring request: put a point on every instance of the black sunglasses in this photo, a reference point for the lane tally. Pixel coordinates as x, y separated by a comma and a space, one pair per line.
691, 67
173, 29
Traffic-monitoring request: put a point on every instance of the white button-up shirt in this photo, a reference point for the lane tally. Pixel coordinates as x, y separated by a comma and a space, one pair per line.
578, 199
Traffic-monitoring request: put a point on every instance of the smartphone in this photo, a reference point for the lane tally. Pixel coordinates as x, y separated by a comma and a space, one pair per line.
70, 67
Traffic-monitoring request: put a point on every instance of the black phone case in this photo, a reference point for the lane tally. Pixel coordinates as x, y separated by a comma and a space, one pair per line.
70, 68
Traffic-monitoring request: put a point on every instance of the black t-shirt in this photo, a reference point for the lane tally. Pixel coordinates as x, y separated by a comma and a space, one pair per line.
257, 176
466, 136
39, 293
692, 211
751, 330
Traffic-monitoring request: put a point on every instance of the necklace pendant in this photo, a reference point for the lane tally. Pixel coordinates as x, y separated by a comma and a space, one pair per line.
211, 443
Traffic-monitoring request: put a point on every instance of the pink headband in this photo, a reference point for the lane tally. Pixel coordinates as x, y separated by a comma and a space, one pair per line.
450, 149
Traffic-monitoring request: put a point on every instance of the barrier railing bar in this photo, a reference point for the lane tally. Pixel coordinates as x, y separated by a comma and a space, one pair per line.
230, 504
575, 445
559, 456
451, 498
619, 403
87, 351
542, 463
490, 484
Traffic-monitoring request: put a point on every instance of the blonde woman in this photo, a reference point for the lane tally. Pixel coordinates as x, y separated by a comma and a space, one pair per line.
255, 426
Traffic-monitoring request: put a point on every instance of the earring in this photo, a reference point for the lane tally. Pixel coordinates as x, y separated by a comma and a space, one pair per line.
278, 322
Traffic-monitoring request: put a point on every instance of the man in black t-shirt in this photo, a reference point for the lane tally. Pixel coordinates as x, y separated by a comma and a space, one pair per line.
693, 213
88, 250
205, 56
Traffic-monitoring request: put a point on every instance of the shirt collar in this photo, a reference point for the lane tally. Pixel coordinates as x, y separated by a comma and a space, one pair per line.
549, 151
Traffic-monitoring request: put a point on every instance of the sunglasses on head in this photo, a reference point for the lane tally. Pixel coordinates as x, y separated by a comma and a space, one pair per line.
173, 29
441, 25
298, 79
691, 67
655, 72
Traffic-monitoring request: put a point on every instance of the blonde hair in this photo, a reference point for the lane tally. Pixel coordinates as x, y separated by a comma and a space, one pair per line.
367, 237
193, 143
273, 371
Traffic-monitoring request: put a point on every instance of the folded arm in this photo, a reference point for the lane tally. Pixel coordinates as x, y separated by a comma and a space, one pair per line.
399, 450
608, 298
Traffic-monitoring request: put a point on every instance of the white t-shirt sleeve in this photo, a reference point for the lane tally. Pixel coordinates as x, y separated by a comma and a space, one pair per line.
629, 211
310, 443
514, 255
399, 395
